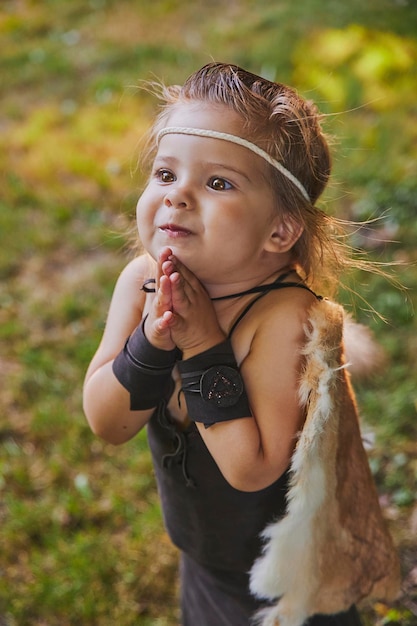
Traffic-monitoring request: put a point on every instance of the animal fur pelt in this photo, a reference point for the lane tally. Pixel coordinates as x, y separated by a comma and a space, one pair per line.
364, 356
331, 549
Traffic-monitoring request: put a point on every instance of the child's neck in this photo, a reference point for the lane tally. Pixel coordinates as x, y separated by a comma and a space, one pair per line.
257, 288
224, 291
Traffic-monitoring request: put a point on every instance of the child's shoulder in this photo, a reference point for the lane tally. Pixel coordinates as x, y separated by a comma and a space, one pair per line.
128, 288
279, 319
297, 317
287, 308
139, 269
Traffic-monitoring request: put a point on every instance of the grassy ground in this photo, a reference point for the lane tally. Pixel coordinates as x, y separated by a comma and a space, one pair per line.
81, 539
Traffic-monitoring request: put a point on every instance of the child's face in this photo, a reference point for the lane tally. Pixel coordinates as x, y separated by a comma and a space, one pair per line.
207, 199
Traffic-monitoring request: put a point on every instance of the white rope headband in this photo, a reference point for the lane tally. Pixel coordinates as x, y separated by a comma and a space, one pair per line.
201, 132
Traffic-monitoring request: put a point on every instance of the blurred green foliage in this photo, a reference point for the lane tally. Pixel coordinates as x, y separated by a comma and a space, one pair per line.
81, 537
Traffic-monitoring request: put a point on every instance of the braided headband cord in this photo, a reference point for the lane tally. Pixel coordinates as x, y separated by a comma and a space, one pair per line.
201, 132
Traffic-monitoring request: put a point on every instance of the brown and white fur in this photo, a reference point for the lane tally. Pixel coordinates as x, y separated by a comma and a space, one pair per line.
331, 549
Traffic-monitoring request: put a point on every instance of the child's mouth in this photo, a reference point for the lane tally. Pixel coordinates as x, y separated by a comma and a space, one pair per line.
174, 230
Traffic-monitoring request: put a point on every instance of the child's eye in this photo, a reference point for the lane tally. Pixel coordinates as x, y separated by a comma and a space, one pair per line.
220, 184
165, 176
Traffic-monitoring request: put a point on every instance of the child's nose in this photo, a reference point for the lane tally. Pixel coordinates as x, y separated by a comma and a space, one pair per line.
178, 198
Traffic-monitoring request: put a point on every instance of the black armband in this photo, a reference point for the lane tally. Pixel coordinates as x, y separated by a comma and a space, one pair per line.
145, 371
213, 386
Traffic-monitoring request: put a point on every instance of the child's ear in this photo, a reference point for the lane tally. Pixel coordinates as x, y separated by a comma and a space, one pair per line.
284, 235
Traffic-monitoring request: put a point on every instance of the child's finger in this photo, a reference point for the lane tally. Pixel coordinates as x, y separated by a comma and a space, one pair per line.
186, 274
180, 292
168, 268
164, 255
163, 300
165, 321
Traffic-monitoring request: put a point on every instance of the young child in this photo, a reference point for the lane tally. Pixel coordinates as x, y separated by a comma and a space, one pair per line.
218, 342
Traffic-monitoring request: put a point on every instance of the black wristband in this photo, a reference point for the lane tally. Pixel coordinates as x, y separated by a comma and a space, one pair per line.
213, 386
145, 371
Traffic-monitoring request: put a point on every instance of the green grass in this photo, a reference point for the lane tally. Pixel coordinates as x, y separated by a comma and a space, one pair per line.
81, 540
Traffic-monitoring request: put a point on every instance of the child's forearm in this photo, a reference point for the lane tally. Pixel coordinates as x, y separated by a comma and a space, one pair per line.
251, 441
107, 407
244, 458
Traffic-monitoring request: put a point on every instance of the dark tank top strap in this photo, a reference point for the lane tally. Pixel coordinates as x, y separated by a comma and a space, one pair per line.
266, 289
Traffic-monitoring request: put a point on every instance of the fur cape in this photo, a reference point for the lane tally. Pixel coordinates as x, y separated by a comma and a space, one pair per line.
331, 549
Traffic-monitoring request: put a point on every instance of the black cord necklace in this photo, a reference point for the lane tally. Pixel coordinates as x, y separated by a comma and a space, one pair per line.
256, 289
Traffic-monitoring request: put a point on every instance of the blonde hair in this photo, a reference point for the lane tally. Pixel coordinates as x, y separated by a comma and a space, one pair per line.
288, 128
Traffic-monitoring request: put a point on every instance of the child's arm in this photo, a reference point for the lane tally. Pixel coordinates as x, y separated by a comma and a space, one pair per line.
253, 450
252, 453
106, 401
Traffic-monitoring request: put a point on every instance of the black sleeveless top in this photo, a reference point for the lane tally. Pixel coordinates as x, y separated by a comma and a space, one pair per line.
215, 524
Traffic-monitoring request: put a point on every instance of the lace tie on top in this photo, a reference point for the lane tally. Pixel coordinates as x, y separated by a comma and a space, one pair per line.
179, 439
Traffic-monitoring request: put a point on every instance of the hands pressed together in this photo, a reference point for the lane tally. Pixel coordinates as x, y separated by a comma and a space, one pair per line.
182, 314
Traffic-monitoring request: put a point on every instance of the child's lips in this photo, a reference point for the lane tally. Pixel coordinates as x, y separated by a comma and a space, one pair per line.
175, 230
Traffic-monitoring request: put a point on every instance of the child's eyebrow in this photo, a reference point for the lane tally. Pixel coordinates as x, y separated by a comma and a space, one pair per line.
162, 158
227, 166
